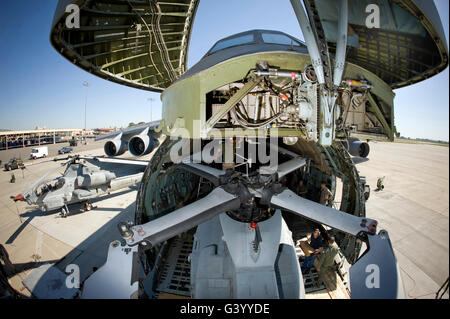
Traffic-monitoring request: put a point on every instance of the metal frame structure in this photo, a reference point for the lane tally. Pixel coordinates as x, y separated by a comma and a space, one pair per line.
138, 43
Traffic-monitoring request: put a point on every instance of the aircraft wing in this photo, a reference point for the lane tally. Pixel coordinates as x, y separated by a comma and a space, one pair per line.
138, 43
130, 131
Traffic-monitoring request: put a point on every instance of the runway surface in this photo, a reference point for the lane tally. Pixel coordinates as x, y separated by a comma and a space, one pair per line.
414, 209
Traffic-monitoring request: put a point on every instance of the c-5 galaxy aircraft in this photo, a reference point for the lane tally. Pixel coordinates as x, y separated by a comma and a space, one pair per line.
211, 223
80, 182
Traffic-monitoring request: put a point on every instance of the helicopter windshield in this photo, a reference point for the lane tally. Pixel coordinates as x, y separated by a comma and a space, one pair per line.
60, 183
49, 185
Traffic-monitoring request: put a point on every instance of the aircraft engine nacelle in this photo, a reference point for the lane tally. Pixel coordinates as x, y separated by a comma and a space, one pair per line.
358, 148
142, 144
115, 147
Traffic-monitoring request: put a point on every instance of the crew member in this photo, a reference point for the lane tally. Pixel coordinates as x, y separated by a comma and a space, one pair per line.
326, 260
325, 194
302, 189
312, 247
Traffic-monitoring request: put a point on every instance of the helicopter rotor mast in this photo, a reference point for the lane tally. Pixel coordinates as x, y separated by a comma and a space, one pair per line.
232, 195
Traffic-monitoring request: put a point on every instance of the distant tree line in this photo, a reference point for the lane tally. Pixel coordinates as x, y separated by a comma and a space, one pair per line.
424, 140
134, 124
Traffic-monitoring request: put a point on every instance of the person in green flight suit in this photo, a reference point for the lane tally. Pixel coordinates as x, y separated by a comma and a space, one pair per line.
326, 259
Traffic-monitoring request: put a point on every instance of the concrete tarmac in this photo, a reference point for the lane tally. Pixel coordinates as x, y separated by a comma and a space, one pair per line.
24, 152
413, 208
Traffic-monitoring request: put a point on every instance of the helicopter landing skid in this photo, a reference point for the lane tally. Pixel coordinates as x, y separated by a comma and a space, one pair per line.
64, 211
85, 207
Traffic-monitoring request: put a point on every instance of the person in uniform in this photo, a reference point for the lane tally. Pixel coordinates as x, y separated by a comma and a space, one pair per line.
302, 189
325, 194
380, 184
312, 247
326, 260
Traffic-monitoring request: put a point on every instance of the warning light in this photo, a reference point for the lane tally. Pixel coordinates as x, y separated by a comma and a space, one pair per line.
253, 225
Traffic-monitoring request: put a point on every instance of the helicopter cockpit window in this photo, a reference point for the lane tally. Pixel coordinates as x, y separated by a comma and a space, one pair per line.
60, 183
248, 38
277, 38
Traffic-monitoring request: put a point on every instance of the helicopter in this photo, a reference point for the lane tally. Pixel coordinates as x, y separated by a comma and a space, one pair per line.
216, 217
80, 182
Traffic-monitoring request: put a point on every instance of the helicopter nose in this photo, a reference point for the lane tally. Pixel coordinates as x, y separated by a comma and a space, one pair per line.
18, 197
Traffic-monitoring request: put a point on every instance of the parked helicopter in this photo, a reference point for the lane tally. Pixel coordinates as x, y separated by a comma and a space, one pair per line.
81, 183
237, 220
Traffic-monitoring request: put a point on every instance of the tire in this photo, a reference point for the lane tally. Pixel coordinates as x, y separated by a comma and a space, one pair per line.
367, 192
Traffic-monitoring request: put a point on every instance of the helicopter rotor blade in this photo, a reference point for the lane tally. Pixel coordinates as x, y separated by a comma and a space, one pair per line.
285, 168
334, 218
37, 163
180, 220
48, 161
117, 278
376, 274
104, 159
210, 173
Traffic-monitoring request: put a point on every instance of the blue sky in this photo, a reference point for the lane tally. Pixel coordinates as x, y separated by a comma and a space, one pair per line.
38, 87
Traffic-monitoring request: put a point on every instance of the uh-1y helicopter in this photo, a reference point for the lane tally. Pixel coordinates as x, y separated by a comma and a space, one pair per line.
212, 225
81, 183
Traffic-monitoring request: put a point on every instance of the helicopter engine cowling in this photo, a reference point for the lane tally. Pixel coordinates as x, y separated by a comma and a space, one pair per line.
358, 148
142, 144
95, 179
115, 147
